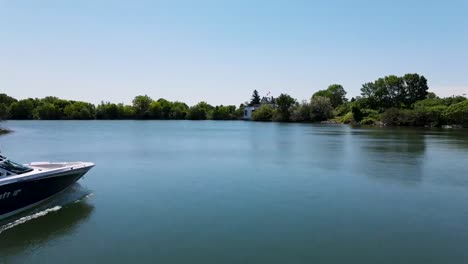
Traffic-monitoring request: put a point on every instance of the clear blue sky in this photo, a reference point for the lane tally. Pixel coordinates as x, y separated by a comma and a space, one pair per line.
220, 51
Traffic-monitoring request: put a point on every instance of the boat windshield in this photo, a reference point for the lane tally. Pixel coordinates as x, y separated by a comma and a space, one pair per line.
16, 168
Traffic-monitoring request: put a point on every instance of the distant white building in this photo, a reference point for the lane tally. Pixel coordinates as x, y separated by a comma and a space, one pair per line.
248, 111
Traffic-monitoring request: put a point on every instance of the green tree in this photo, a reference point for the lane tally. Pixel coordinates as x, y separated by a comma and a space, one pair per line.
60, 104
108, 111
301, 112
126, 111
47, 111
321, 109
80, 111
201, 111
284, 103
338, 95
3, 112
155, 110
166, 108
179, 111
6, 100
239, 113
394, 91
322, 93
384, 92
141, 104
415, 88
22, 109
335, 92
255, 98
431, 95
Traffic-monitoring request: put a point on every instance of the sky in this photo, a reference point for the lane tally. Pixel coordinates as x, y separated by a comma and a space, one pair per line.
220, 51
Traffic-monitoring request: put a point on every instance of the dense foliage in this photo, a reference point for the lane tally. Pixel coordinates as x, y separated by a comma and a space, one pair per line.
264, 113
143, 107
405, 101
335, 93
391, 100
284, 103
394, 91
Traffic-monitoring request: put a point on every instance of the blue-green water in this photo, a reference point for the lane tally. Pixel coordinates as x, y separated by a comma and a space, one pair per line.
244, 192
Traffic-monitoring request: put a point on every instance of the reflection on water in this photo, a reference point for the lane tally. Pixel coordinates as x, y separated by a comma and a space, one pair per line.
408, 145
56, 218
453, 139
396, 155
41, 230
247, 192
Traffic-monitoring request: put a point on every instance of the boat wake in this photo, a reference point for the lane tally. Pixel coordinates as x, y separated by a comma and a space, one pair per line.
27, 218
74, 195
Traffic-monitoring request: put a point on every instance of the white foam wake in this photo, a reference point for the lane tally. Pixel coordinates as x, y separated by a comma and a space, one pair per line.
25, 219
84, 198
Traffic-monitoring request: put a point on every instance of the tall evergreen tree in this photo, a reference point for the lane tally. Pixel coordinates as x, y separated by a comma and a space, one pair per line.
255, 98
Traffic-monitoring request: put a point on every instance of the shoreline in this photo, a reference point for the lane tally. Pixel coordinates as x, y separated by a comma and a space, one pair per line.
4, 131
330, 106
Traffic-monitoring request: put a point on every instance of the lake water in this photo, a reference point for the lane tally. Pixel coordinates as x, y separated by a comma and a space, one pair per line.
243, 192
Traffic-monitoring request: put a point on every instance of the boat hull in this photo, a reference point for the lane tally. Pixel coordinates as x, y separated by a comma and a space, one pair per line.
19, 196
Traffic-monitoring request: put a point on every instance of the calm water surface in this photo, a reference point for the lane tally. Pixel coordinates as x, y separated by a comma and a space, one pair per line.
241, 192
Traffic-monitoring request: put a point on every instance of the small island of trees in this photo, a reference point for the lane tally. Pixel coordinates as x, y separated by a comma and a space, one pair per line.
391, 101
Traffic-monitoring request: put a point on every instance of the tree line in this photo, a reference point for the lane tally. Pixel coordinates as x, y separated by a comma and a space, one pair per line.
142, 107
390, 100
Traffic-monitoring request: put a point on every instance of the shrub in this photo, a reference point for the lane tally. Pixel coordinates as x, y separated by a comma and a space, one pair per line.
321, 109
391, 117
224, 112
264, 113
454, 100
398, 117
342, 109
357, 113
374, 114
346, 119
457, 113
301, 112
201, 111
430, 116
368, 121
430, 102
